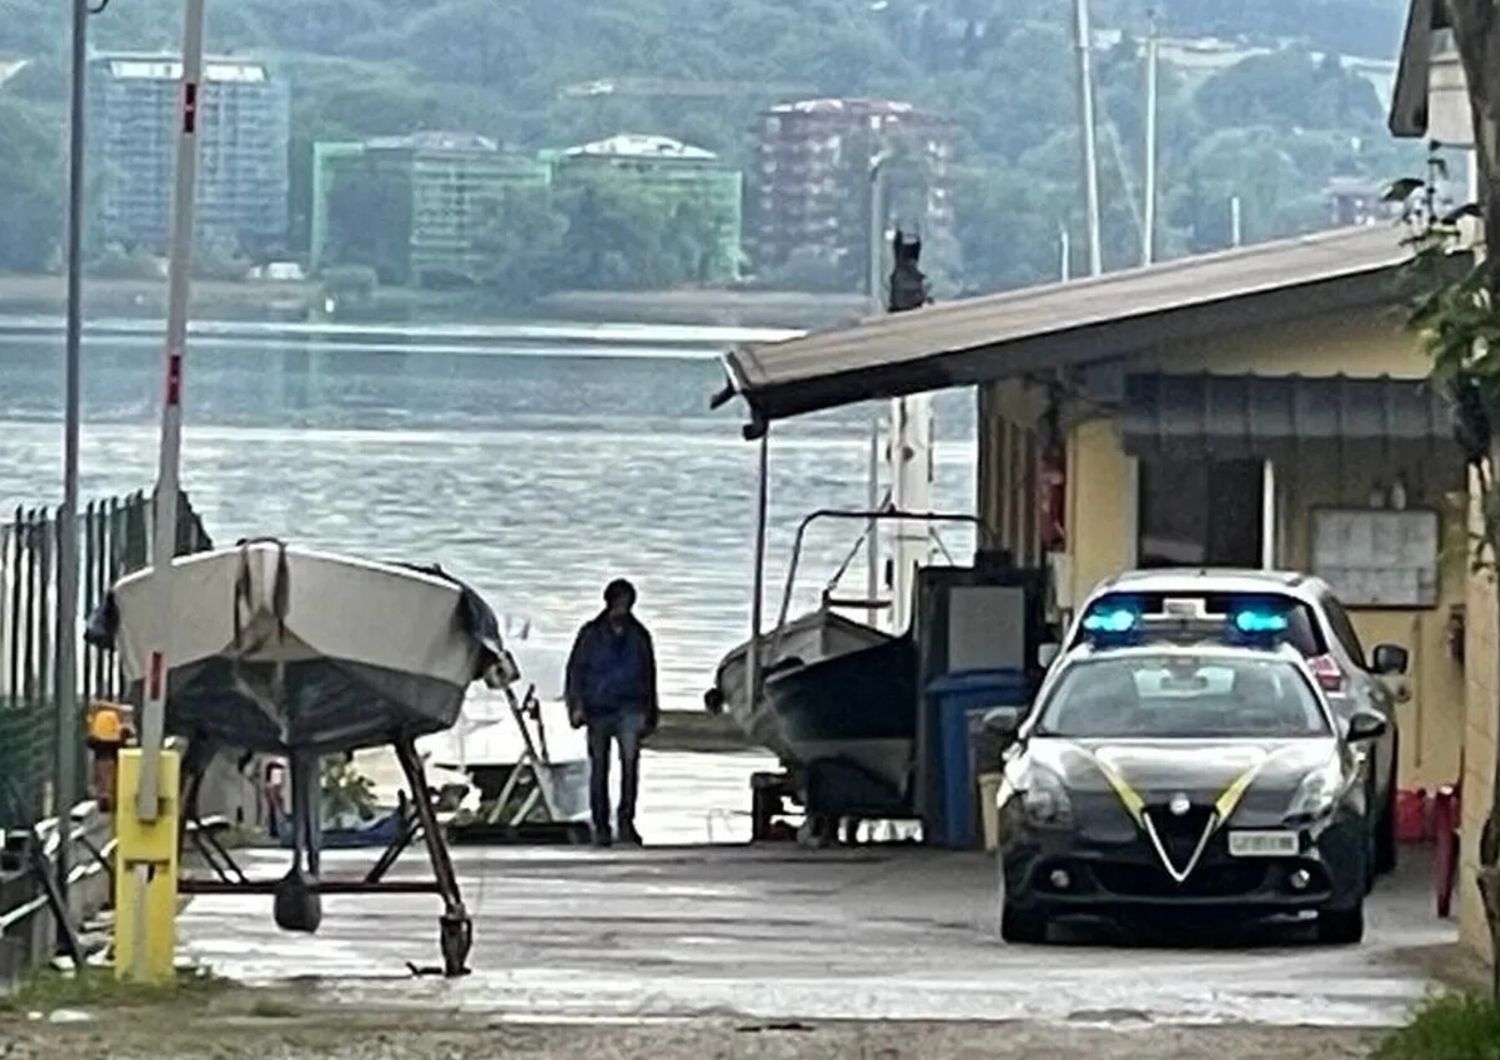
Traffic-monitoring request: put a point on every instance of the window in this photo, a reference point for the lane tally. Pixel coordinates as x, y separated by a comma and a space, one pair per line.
1182, 696
1343, 629
1201, 513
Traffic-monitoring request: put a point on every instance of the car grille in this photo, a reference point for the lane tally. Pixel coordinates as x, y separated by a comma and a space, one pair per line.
1180, 834
1206, 881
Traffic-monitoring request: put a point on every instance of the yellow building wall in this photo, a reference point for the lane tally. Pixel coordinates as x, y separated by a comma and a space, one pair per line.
1357, 343
1101, 507
1431, 718
1102, 532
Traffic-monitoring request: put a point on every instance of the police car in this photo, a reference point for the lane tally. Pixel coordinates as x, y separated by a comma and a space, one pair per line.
1319, 628
1184, 762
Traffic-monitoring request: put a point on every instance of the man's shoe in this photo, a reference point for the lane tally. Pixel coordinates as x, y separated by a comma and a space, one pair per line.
602, 838
629, 836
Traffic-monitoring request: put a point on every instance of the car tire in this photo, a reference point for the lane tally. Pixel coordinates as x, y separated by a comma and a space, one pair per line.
1021, 926
1342, 927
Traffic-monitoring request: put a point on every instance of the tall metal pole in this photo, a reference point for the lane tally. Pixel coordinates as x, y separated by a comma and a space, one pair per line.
1089, 133
874, 286
1148, 222
874, 280
164, 531
1065, 246
67, 516
1236, 222
758, 580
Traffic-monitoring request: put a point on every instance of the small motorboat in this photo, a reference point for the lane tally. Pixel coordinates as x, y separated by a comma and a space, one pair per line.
832, 690
275, 649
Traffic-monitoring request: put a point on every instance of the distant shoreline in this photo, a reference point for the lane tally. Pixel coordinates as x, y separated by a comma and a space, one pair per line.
615, 336
295, 301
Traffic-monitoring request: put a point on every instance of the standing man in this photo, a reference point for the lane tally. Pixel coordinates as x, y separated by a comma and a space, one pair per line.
611, 688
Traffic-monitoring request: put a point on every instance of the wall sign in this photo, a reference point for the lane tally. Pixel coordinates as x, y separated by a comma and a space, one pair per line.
1377, 558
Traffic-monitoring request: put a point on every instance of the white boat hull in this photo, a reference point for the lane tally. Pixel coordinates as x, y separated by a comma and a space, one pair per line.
273, 648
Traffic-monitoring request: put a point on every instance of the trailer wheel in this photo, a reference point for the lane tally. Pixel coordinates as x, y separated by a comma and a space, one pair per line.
455, 938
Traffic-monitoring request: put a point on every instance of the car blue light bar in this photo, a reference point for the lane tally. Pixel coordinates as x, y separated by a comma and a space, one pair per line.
1261, 622
1119, 620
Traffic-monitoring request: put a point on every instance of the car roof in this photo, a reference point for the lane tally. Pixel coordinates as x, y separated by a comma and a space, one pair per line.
1213, 580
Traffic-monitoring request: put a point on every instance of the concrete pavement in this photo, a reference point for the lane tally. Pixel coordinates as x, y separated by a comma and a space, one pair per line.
789, 934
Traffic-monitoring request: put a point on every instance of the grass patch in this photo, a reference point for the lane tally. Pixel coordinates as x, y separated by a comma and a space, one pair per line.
1450, 1027
98, 988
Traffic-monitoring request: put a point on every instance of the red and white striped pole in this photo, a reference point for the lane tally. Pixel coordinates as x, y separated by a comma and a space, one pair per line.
164, 529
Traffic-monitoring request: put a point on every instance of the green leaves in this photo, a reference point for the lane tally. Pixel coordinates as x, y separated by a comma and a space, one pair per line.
31, 201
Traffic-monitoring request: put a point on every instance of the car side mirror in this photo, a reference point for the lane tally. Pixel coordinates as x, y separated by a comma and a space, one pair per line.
1365, 726
1003, 723
1391, 661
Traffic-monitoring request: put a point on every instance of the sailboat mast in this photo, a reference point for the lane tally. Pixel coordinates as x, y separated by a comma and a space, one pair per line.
1089, 133
1148, 222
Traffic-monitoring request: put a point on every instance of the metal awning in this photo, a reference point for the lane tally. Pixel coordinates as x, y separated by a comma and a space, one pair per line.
1249, 415
982, 339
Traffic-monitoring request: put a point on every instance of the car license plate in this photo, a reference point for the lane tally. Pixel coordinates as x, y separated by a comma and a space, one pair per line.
1263, 844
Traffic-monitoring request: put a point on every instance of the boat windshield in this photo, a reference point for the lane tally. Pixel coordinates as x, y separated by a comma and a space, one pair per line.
1182, 696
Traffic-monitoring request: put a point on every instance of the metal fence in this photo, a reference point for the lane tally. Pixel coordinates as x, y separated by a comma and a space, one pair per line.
115, 537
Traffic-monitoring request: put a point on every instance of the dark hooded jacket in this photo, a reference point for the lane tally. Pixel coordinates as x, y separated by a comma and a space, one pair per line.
612, 672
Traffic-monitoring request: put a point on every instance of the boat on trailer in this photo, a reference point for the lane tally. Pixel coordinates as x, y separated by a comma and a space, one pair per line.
296, 653
275, 648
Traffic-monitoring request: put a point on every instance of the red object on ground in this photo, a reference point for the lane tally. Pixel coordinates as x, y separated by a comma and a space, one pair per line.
1413, 819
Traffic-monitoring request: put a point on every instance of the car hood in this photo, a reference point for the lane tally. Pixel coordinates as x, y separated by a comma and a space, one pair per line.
1200, 769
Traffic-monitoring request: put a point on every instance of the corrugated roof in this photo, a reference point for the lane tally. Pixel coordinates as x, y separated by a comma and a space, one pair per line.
1250, 415
981, 339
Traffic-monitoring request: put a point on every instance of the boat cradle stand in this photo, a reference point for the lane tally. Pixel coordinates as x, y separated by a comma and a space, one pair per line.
298, 894
825, 823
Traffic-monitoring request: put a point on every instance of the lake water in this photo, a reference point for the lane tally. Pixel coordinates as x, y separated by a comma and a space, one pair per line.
534, 463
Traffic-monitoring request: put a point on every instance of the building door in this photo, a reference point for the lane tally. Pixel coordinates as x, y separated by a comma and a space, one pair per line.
1201, 513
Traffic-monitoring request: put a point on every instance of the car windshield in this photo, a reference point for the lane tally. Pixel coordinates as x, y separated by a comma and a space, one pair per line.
1183, 696
1303, 631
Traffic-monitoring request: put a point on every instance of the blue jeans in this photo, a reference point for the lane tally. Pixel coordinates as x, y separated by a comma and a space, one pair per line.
624, 728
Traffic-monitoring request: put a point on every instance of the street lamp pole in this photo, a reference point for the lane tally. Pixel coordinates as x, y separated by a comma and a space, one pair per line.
67, 734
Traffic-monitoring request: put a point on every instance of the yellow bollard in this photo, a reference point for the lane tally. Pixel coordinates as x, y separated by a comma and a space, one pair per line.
146, 875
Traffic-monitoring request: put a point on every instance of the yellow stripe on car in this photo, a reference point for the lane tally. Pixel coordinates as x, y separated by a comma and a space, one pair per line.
1135, 805
1228, 802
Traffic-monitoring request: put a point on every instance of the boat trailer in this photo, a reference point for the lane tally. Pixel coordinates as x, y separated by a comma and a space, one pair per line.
298, 894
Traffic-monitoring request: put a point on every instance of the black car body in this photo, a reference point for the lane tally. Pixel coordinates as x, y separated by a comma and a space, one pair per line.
1321, 631
1240, 797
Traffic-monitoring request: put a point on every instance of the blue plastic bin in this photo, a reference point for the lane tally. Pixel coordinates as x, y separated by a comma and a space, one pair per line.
961, 700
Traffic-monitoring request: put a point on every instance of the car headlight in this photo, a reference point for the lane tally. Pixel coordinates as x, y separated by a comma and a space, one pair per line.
1318, 795
1046, 800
